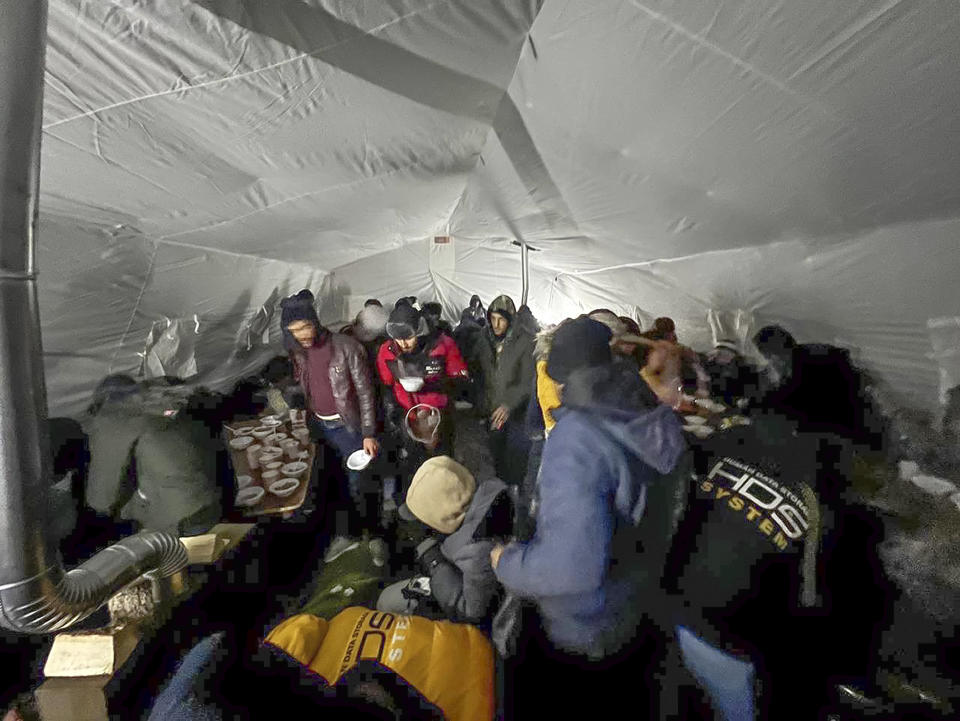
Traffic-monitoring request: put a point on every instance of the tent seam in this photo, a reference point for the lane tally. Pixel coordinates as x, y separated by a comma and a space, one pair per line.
490, 128
136, 306
237, 254
235, 76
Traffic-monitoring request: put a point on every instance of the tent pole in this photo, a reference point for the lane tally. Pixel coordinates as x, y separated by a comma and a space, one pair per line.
36, 594
525, 272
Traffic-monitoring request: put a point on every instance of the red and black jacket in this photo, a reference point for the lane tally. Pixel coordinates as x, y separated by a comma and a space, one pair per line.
436, 359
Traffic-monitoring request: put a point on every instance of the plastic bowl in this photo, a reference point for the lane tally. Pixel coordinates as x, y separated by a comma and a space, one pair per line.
411, 385
244, 481
250, 496
695, 420
284, 487
274, 466
358, 460
270, 421
294, 469
262, 432
240, 443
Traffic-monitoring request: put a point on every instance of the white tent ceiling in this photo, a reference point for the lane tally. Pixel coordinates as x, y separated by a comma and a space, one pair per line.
799, 160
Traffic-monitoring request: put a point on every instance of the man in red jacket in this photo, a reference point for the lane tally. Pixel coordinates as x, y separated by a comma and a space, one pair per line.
420, 366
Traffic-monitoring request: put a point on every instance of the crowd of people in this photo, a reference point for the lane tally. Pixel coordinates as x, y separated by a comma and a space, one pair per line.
604, 512
637, 490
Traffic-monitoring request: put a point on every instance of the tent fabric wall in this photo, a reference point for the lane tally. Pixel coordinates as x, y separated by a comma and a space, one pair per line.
797, 160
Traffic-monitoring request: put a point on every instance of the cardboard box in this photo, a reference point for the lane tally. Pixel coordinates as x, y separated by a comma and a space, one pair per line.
72, 699
91, 653
209, 547
78, 669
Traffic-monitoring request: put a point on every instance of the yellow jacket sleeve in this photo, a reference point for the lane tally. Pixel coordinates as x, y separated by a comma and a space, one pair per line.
450, 664
548, 393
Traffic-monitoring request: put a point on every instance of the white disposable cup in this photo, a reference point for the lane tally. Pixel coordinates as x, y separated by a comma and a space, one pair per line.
908, 469
302, 435
253, 455
269, 456
244, 481
291, 449
269, 477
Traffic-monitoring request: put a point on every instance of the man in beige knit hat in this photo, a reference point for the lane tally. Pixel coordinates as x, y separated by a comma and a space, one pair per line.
456, 580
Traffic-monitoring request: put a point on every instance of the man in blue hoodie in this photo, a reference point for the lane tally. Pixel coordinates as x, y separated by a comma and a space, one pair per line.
595, 549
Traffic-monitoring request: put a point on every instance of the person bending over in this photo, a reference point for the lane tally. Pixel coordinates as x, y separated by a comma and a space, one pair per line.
469, 518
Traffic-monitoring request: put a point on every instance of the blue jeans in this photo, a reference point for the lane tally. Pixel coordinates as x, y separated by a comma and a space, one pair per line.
342, 440
181, 699
727, 680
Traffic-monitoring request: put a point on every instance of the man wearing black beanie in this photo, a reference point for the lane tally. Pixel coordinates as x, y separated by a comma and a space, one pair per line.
579, 343
333, 371
420, 365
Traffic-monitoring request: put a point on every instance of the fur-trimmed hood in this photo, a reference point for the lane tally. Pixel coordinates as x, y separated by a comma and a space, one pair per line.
544, 342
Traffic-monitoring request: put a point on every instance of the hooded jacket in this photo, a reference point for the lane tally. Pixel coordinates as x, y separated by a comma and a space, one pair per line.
548, 391
507, 375
174, 481
596, 547
461, 577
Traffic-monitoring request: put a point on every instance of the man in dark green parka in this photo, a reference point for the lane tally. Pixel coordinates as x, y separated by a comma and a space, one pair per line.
157, 470
505, 354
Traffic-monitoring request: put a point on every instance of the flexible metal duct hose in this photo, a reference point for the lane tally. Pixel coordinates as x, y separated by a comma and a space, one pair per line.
36, 594
55, 600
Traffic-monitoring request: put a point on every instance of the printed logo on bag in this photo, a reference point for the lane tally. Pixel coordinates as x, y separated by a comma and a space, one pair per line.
774, 509
378, 637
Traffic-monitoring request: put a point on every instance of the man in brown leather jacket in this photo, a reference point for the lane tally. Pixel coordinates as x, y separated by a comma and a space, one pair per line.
334, 373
